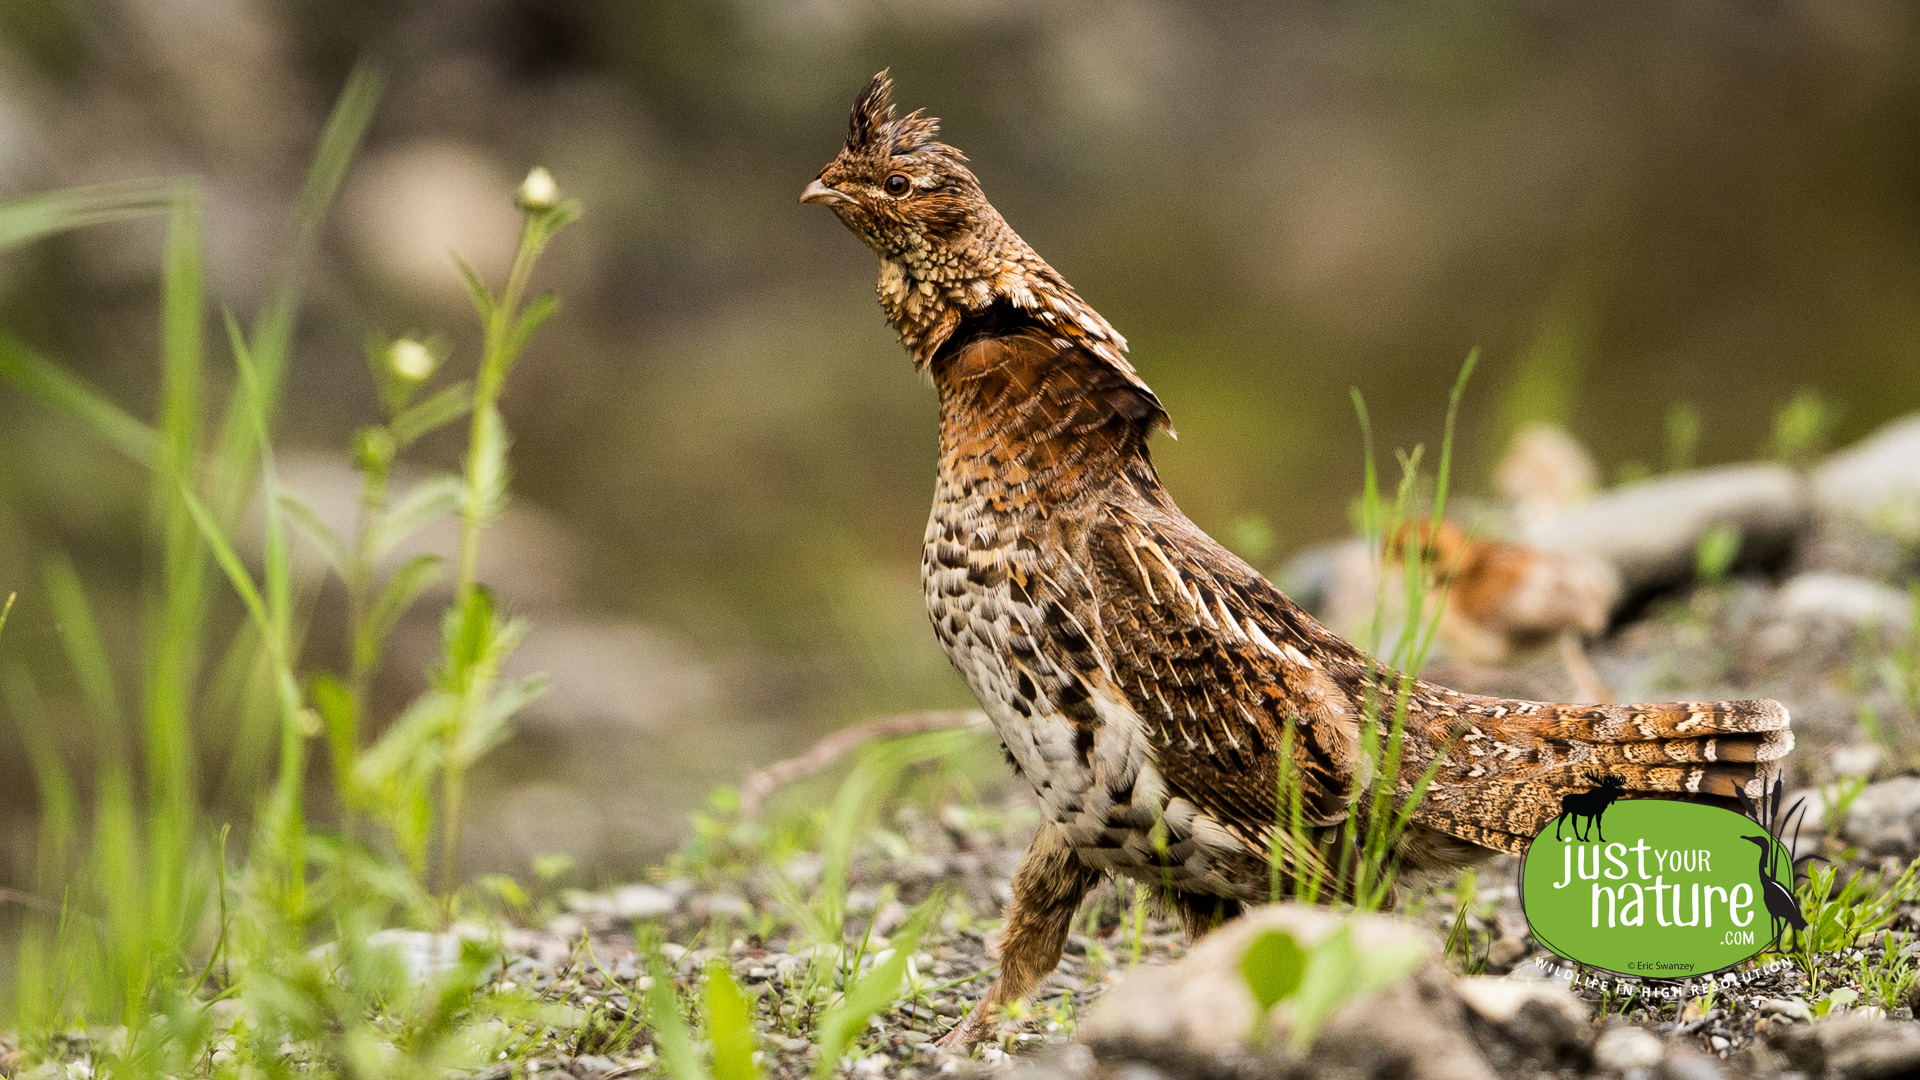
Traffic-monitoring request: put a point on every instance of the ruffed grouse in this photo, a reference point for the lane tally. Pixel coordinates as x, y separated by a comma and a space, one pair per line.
1140, 675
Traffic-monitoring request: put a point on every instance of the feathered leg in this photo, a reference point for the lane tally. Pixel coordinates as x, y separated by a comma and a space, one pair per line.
1047, 890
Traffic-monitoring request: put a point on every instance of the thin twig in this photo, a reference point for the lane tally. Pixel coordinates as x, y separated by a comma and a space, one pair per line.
835, 746
26, 899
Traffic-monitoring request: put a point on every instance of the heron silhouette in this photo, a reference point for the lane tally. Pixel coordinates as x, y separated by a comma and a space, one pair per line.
1781, 905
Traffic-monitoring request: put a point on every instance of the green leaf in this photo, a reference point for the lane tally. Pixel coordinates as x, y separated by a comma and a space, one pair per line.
671, 1039
335, 706
1338, 970
1273, 966
538, 311
43, 379
490, 727
483, 302
414, 510
467, 634
729, 1025
236, 571
430, 415
412, 742
318, 533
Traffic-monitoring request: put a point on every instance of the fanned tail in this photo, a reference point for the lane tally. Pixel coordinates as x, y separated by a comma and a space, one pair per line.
1511, 762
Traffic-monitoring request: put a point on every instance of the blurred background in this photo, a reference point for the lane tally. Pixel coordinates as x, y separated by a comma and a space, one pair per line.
1641, 212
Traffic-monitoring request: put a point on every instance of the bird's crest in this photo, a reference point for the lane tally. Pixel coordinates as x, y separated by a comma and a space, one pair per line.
872, 128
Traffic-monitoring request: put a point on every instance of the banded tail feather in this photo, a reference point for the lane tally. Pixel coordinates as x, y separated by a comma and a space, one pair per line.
1714, 751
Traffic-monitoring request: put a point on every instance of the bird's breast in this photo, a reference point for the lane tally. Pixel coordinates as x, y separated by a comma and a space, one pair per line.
999, 591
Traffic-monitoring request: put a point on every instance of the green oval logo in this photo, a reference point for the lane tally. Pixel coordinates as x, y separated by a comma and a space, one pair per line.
1655, 888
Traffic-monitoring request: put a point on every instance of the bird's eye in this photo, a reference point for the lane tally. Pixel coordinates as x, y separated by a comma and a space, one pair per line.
896, 184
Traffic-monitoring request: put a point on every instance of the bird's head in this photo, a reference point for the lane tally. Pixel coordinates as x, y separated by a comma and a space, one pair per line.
1765, 843
895, 185
945, 252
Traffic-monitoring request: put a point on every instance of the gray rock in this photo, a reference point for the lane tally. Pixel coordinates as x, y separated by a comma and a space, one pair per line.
1877, 480
1885, 818
1651, 530
1860, 759
1420, 1027
1850, 1048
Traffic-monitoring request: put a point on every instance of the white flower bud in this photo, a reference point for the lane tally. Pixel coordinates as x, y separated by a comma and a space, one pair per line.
411, 360
538, 191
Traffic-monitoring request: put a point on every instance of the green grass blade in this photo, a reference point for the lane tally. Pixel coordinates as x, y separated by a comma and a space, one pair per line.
35, 217
729, 1026
54, 386
87, 654
272, 329
671, 1038
178, 612
1445, 471
871, 993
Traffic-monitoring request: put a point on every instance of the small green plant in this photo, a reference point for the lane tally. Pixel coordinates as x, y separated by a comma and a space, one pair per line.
1887, 978
304, 944
1838, 919
1683, 436
727, 1011
1716, 552
1840, 997
1837, 799
1802, 428
1461, 952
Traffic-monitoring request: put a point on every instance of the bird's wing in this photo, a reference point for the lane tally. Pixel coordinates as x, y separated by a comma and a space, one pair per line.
1218, 664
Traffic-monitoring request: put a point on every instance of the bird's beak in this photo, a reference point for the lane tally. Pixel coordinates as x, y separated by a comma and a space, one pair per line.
818, 192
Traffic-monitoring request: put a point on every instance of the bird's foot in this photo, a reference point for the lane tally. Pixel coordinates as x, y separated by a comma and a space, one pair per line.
971, 1029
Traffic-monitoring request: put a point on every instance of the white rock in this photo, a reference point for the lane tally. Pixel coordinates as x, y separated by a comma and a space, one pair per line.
1857, 760
642, 902
1788, 1007
1651, 530
1544, 471
426, 955
1845, 599
1626, 1048
1202, 1004
408, 209
1877, 480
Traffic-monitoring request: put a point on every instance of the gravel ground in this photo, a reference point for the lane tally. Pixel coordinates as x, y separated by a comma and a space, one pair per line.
1728, 640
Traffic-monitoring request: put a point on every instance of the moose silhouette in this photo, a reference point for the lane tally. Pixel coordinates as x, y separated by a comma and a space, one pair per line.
1588, 805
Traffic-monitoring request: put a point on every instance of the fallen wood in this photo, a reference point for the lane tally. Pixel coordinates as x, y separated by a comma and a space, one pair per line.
824, 753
